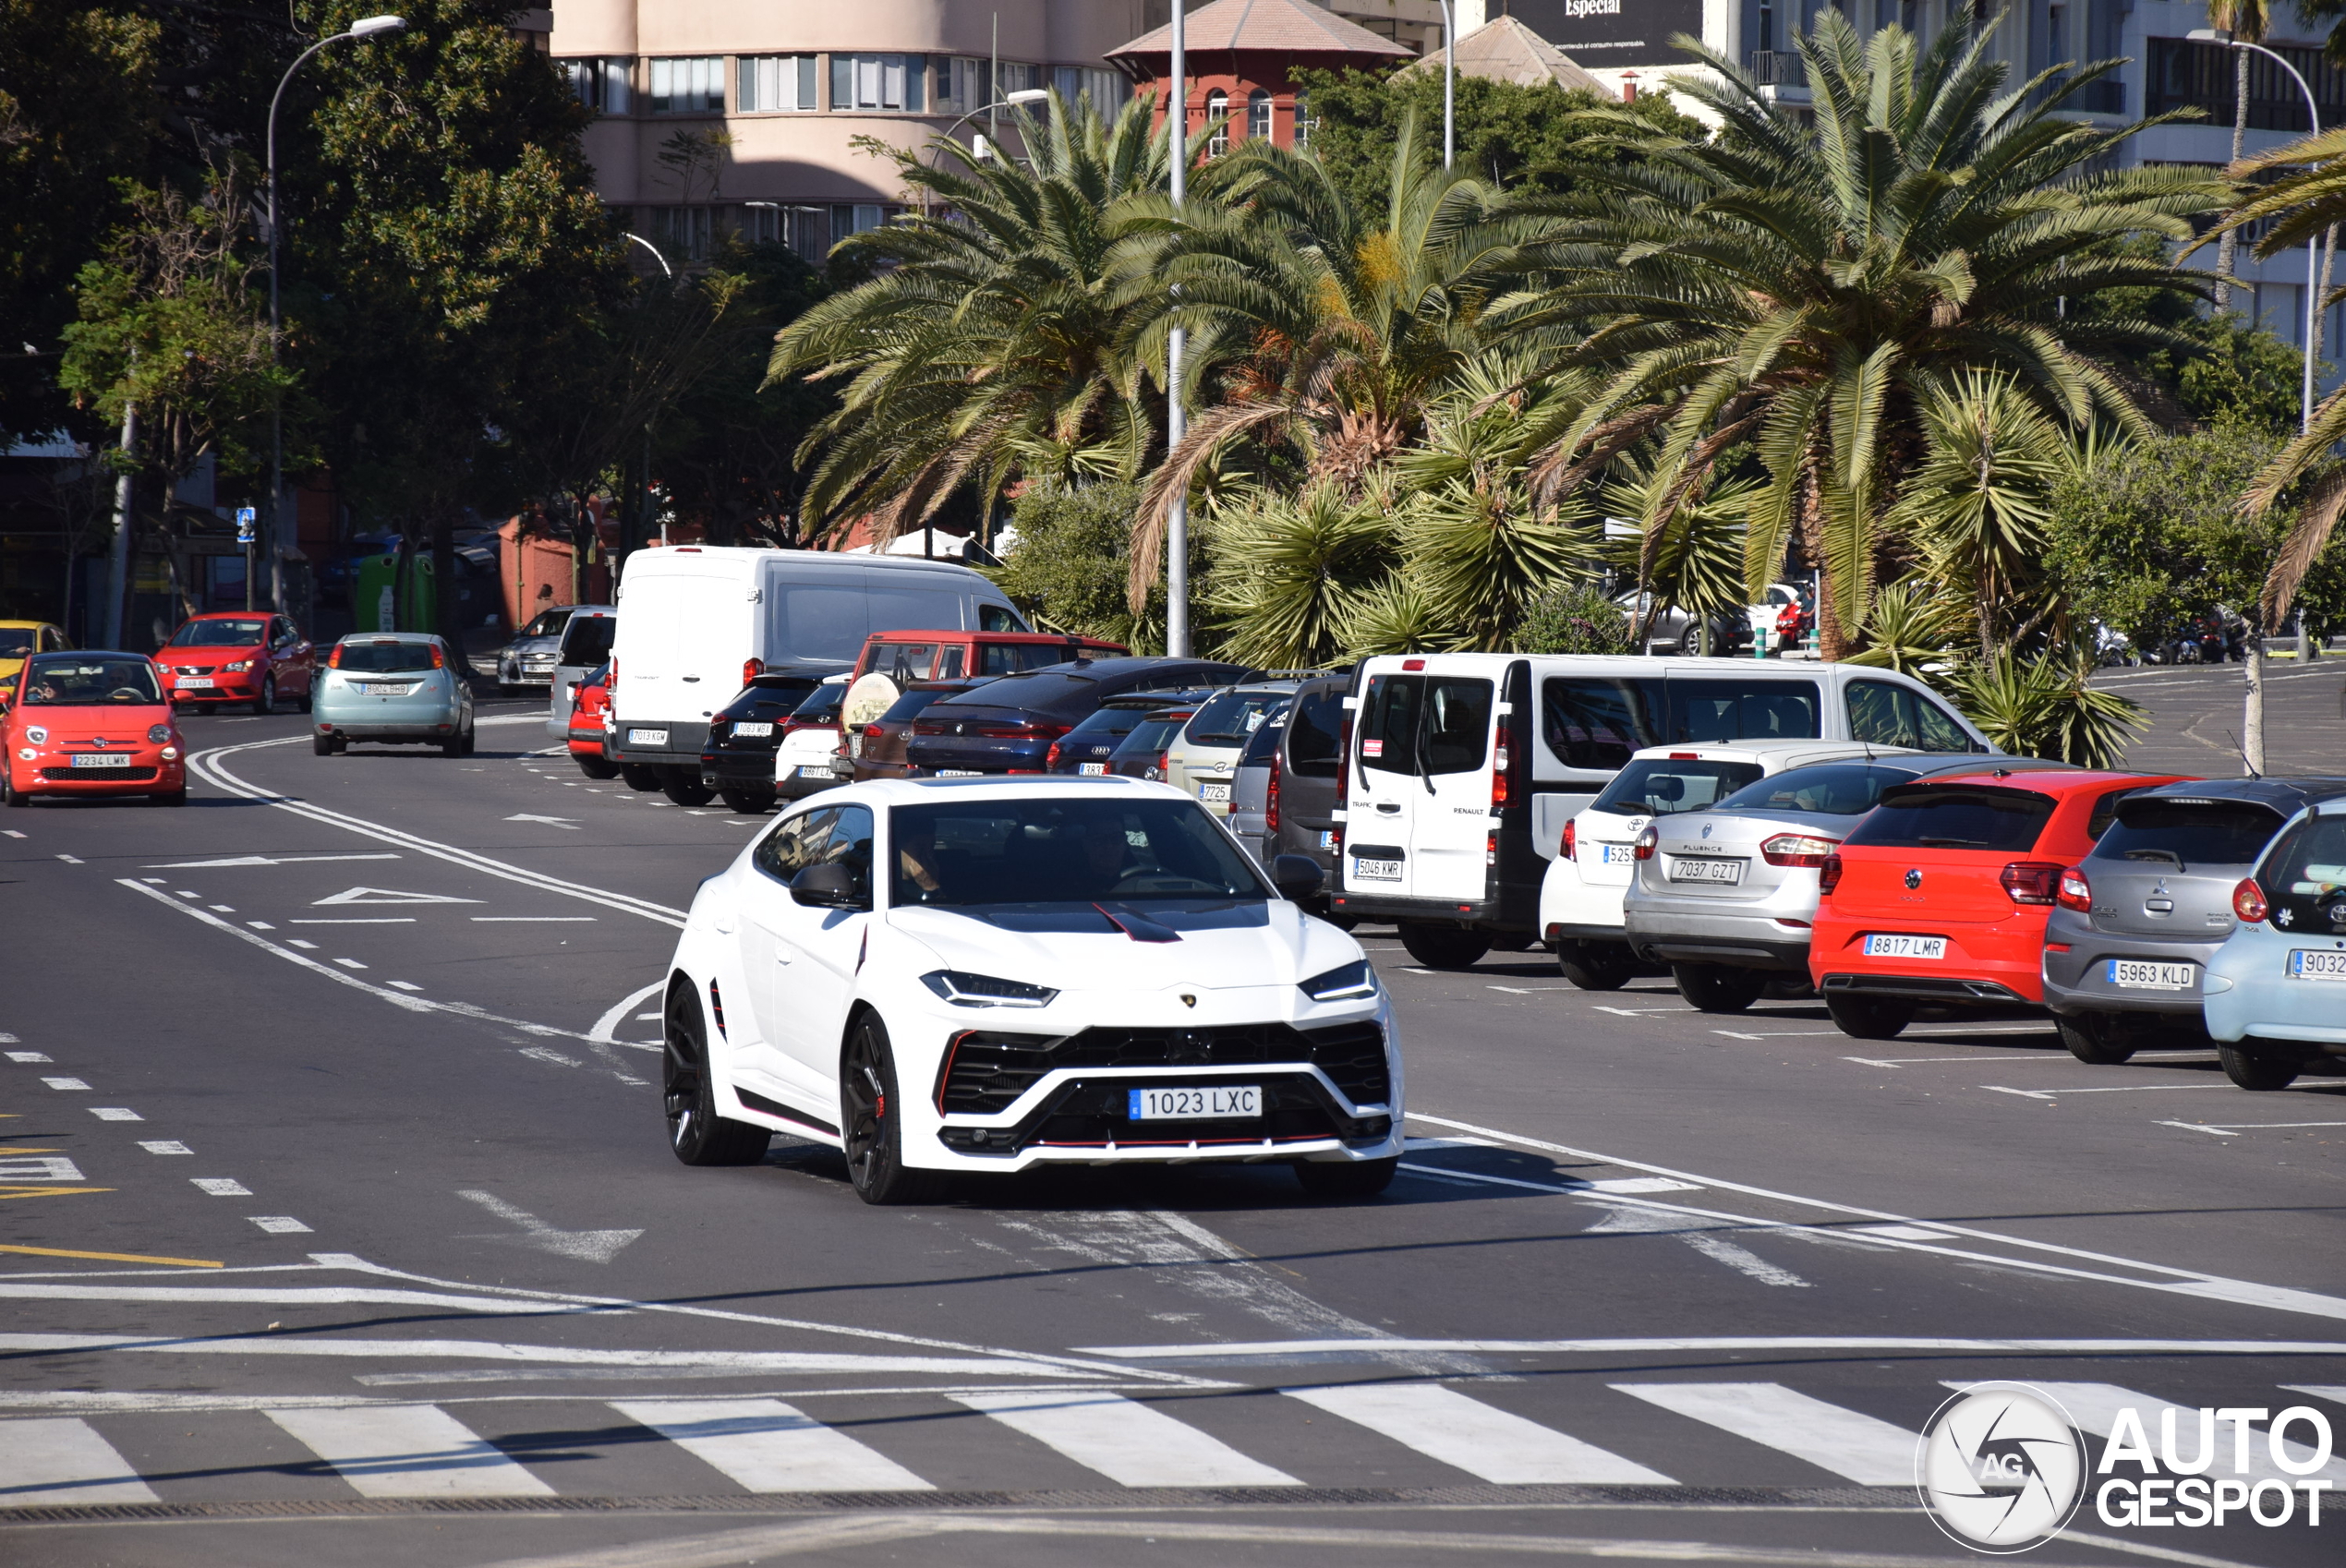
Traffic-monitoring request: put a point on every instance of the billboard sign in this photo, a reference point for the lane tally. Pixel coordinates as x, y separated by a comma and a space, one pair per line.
1599, 35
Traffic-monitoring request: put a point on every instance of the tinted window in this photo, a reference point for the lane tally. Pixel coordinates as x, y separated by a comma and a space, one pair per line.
1000, 658
1664, 786
995, 618
16, 641
1925, 816
849, 843
1832, 789
2186, 834
2106, 809
87, 680
219, 634
909, 703
1598, 724
901, 662
769, 700
383, 657
1061, 850
2310, 862
817, 622
1231, 717
587, 639
1743, 710
1881, 713
547, 624
1107, 724
1425, 724
1266, 744
1152, 734
1043, 688
821, 705
1316, 731
783, 854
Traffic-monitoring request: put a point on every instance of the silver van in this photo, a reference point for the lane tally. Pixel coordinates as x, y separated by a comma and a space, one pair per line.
585, 646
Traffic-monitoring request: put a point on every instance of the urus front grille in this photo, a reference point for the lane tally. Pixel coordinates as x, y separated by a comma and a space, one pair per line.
985, 1070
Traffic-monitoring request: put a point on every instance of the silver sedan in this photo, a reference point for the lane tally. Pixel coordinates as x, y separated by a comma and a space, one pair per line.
406, 689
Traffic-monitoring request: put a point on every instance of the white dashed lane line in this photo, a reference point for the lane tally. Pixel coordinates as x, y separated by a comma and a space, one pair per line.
115, 1114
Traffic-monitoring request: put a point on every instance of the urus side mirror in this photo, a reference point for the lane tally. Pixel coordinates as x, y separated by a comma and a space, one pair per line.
1295, 876
831, 885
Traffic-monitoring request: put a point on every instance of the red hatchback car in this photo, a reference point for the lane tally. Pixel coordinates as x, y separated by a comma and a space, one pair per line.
238, 657
90, 724
590, 725
1941, 892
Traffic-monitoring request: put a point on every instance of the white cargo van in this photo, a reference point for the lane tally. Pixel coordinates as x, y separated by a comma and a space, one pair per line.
697, 621
1461, 769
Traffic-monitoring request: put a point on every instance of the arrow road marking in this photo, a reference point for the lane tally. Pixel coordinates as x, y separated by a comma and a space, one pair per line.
388, 896
549, 821
265, 860
587, 1245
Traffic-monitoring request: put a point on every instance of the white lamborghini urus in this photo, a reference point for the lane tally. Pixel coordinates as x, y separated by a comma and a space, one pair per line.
983, 975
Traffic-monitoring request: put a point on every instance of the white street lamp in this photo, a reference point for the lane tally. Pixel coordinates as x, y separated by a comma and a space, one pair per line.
365, 27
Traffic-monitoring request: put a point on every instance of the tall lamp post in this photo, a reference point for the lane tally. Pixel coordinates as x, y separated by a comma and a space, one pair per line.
2252, 720
365, 27
1176, 424
1450, 83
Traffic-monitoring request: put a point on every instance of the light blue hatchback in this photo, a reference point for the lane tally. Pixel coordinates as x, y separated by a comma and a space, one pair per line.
2276, 990
406, 689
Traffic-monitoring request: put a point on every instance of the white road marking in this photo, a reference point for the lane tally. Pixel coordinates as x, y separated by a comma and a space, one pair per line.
224, 909
535, 920
165, 1146
2233, 1129
298, 941
1869, 1451
266, 860
1901, 1233
2095, 1406
64, 1460
1567, 1186
767, 1446
403, 985
607, 1027
1466, 1434
279, 1225
1626, 1219
64, 1084
2116, 1089
379, 920
549, 821
587, 1245
185, 892
70, 860
350, 963
11, 832
38, 1168
642, 1016
259, 925
115, 1114
222, 1187
407, 1450
547, 1054
387, 895
28, 1055
1131, 1444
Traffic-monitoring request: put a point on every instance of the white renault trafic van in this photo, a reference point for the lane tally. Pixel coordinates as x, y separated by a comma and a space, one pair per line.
1461, 769
697, 621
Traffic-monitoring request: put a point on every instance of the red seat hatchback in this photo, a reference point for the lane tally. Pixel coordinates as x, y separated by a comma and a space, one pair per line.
1941, 893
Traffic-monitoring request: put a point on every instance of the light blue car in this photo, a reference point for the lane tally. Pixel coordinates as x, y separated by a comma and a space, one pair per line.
406, 689
2276, 990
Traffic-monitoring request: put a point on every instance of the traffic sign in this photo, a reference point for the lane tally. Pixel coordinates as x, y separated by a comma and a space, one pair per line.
245, 516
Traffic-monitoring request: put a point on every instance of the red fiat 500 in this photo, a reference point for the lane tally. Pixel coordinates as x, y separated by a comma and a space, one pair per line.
1941, 893
590, 724
90, 724
238, 657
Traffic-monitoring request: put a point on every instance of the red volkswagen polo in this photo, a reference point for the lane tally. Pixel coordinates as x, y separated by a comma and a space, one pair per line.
1941, 893
238, 657
90, 724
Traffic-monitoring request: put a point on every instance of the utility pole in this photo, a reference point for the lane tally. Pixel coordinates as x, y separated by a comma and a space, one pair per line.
1177, 522
118, 557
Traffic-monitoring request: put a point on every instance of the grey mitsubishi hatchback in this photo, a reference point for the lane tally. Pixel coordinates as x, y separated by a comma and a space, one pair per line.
2127, 945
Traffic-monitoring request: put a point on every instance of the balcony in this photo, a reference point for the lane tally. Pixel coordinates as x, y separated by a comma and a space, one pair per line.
1776, 67
2185, 74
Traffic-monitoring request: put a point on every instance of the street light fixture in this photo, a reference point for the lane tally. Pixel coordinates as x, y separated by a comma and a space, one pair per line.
365, 27
1020, 99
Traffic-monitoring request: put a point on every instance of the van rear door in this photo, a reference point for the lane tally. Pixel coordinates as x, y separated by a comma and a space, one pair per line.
1419, 821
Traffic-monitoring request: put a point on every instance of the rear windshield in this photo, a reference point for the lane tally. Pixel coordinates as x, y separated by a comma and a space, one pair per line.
547, 624
1425, 724
1230, 719
1044, 690
1153, 733
1315, 732
89, 681
774, 699
1830, 788
1266, 744
1002, 659
821, 706
1107, 724
1956, 816
1664, 786
2187, 833
587, 639
388, 657
910, 703
220, 635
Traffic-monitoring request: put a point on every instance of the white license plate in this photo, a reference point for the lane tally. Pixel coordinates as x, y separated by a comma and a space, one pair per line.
2136, 974
1193, 1105
198, 681
648, 737
101, 759
1905, 946
2303, 963
1377, 870
1706, 871
1327, 838
814, 770
1214, 794
754, 731
1091, 767
1616, 855
959, 773
379, 689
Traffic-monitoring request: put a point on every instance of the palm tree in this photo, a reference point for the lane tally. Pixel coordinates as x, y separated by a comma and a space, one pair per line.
2247, 20
1808, 290
996, 336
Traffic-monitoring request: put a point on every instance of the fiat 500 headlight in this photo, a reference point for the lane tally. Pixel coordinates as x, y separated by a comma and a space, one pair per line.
37, 734
966, 989
1348, 983
158, 733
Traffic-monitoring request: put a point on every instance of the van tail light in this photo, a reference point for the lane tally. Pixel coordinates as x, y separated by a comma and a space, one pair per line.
1797, 848
439, 659
1344, 761
1828, 874
1647, 843
1271, 800
1571, 847
1051, 758
2032, 882
1491, 848
334, 660
1156, 768
2076, 892
752, 669
1500, 769
2248, 901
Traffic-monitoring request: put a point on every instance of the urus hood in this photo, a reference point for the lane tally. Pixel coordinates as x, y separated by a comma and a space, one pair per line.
1125, 947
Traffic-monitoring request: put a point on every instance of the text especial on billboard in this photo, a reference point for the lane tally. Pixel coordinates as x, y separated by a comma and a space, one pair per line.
1598, 33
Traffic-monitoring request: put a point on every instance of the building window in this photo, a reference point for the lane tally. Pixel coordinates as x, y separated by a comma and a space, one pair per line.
1258, 116
766, 84
805, 230
694, 85
1217, 115
878, 82
602, 85
1767, 28
683, 233
1305, 122
1105, 89
858, 219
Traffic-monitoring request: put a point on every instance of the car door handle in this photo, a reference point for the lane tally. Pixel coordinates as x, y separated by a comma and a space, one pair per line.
694, 679
724, 924
1388, 808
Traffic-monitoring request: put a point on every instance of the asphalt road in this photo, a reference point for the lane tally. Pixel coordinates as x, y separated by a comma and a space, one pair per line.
339, 1227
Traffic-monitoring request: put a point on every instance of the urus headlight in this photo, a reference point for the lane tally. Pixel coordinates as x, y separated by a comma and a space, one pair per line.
966, 989
1348, 983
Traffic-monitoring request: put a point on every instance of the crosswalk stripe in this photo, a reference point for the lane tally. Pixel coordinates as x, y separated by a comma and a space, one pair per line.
1131, 1444
2095, 1407
767, 1446
60, 1459
1466, 1434
1870, 1453
407, 1450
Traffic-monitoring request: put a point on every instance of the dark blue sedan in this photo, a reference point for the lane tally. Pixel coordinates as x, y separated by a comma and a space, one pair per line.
1007, 726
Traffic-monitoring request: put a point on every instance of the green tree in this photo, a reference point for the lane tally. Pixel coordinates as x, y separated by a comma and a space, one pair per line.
1294, 569
1066, 569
